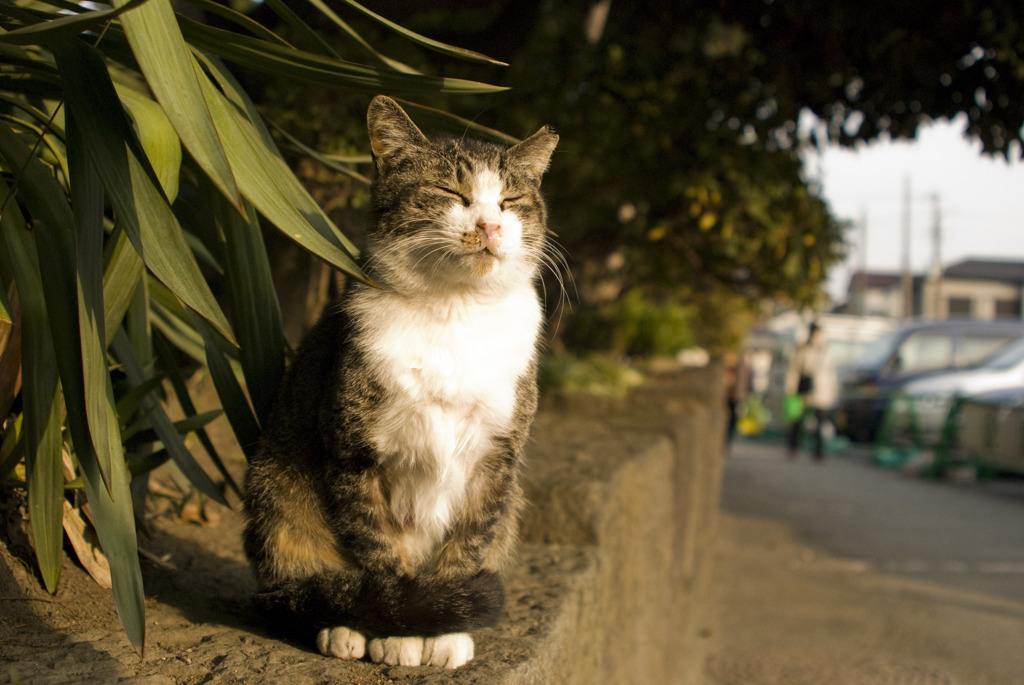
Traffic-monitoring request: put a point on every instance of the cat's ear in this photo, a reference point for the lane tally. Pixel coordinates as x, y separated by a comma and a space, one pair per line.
391, 131
534, 154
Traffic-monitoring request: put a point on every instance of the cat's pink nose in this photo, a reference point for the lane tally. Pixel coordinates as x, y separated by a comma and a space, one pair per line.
491, 230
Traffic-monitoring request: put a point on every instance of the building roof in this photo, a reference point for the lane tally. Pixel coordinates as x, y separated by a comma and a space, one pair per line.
874, 280
986, 270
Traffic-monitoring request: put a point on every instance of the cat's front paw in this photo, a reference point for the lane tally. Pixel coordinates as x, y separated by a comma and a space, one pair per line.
341, 642
448, 651
397, 651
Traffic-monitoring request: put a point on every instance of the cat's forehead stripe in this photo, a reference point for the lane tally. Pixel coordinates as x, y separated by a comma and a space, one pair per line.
463, 169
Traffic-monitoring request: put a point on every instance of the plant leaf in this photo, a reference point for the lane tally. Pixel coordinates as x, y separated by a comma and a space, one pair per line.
168, 361
64, 27
55, 240
166, 62
359, 40
122, 275
254, 307
318, 69
158, 138
429, 43
299, 27
41, 405
98, 396
326, 160
115, 525
268, 183
162, 424
232, 397
128, 179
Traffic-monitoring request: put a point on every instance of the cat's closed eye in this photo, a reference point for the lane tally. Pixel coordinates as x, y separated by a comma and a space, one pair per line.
509, 201
454, 193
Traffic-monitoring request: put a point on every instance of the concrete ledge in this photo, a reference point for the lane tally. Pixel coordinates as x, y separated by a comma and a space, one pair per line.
624, 496
624, 499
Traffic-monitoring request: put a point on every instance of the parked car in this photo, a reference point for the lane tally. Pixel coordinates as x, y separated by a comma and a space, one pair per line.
910, 352
932, 395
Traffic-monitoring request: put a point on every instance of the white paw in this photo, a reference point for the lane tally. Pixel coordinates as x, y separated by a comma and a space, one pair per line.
397, 651
448, 651
341, 642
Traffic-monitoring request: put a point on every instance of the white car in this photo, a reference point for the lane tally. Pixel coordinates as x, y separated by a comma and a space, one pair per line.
933, 395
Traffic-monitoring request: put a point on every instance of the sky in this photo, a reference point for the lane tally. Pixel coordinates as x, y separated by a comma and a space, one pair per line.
980, 201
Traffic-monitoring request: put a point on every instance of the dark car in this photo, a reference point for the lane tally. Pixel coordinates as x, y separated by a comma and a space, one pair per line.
908, 353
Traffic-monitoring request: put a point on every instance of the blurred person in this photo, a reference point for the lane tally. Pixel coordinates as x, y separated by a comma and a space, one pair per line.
812, 376
737, 385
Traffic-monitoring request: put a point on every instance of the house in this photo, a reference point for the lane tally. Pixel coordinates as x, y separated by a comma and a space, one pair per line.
875, 294
975, 288
972, 288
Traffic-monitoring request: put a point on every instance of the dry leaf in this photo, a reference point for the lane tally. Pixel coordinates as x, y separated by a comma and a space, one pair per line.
89, 554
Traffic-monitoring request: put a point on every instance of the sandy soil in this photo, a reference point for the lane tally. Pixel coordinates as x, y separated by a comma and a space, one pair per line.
200, 627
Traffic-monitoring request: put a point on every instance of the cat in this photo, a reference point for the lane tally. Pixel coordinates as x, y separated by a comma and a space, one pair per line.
382, 500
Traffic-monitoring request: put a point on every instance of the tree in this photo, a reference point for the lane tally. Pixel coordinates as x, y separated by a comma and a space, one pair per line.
679, 168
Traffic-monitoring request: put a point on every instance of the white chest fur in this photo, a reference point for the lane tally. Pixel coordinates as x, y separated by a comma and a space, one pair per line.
450, 377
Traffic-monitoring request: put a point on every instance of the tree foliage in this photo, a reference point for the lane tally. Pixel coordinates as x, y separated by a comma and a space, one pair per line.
684, 124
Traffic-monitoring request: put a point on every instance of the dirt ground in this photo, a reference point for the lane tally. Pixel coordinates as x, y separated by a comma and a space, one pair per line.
780, 612
200, 628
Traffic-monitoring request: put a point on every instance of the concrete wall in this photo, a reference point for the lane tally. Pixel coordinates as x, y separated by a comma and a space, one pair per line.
637, 482
616, 542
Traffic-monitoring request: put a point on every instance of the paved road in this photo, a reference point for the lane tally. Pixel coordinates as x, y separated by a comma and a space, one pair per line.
967, 536
844, 573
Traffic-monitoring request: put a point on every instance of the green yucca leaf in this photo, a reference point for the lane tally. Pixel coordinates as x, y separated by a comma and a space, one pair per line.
168, 362
129, 403
268, 183
122, 275
240, 20
128, 179
253, 302
438, 118
40, 396
233, 399
268, 58
236, 95
280, 174
161, 423
165, 61
87, 199
140, 465
300, 28
115, 526
55, 240
326, 160
158, 138
340, 23
47, 30
429, 43
190, 424
173, 324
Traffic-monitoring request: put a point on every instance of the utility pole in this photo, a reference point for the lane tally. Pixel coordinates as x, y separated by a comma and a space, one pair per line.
936, 271
860, 284
907, 280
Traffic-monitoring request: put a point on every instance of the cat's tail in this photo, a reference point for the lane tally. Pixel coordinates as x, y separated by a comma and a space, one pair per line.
389, 607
